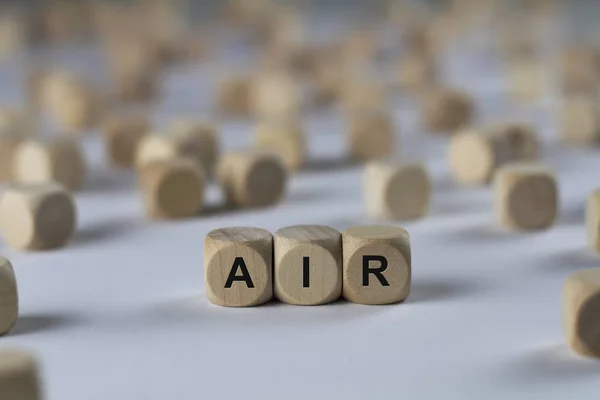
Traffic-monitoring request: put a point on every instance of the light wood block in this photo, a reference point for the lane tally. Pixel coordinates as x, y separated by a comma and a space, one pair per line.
528, 80
284, 137
9, 141
172, 189
234, 96
37, 216
447, 110
16, 121
371, 135
276, 95
526, 196
397, 190
238, 266
476, 153
376, 264
581, 307
578, 72
60, 160
580, 121
19, 376
252, 178
592, 217
9, 297
415, 73
122, 135
362, 93
198, 140
308, 265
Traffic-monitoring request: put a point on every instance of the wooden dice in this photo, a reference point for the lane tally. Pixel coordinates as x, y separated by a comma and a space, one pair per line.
581, 307
446, 110
122, 135
308, 264
371, 134
173, 188
580, 121
238, 266
476, 153
284, 137
59, 160
396, 190
525, 196
37, 216
194, 140
9, 141
234, 96
9, 298
592, 216
376, 264
19, 376
252, 178
276, 95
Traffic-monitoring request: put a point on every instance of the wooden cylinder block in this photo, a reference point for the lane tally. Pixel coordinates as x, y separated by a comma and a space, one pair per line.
238, 266
447, 110
308, 264
19, 376
234, 96
59, 160
376, 264
526, 196
9, 297
397, 190
475, 154
581, 307
580, 121
276, 96
372, 135
592, 217
284, 137
37, 216
252, 178
173, 188
122, 135
197, 140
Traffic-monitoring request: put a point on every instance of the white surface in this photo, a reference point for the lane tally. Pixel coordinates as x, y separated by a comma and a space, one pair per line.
121, 313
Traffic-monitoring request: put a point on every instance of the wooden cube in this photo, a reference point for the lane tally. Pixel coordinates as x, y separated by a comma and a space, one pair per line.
60, 160
9, 297
122, 135
9, 141
19, 375
252, 178
308, 265
447, 110
234, 96
578, 72
238, 266
188, 139
276, 95
371, 135
580, 121
376, 264
284, 137
37, 216
396, 190
416, 72
581, 307
526, 196
172, 189
527, 80
475, 154
363, 93
592, 217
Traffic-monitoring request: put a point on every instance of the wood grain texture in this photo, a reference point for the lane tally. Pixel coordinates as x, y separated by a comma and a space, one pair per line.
580, 122
397, 190
122, 135
238, 266
308, 264
172, 189
475, 154
376, 264
446, 110
37, 216
525, 196
9, 297
60, 160
253, 178
284, 137
19, 376
371, 134
592, 218
581, 307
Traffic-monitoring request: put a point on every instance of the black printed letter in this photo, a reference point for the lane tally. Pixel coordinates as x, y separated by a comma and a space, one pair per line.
305, 272
378, 272
233, 276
